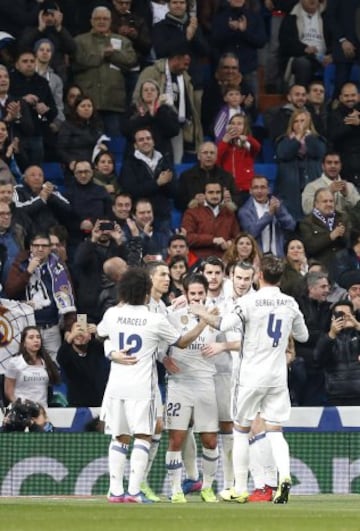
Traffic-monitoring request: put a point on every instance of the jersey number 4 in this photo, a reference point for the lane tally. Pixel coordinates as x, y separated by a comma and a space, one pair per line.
274, 329
132, 343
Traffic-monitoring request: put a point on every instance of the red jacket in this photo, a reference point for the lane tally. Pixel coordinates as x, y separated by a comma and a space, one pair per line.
239, 161
202, 227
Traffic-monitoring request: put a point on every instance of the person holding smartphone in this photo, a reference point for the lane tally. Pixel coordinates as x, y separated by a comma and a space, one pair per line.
338, 353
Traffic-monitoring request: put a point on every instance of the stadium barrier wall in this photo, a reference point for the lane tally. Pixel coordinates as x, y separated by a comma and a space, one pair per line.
324, 446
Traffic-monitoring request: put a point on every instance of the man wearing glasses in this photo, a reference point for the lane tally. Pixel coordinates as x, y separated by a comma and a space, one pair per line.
39, 277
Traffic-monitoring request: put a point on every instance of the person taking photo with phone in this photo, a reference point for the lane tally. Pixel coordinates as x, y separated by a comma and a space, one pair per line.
338, 353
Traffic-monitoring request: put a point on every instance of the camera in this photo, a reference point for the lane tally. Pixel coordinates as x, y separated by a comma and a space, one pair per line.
339, 315
20, 416
106, 225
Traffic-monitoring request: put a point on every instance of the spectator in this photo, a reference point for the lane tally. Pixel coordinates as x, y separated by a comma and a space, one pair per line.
277, 118
237, 152
100, 60
121, 210
342, 21
28, 85
299, 155
178, 246
324, 230
243, 249
113, 270
39, 276
278, 9
171, 75
180, 28
44, 50
134, 27
266, 218
154, 239
15, 112
40, 200
345, 194
337, 351
88, 264
148, 173
226, 74
350, 280
153, 111
81, 358
30, 373
191, 183
79, 134
303, 42
315, 104
50, 27
71, 95
239, 27
58, 241
18, 216
10, 154
344, 131
309, 388
232, 106
11, 238
210, 227
17, 15
178, 269
336, 292
88, 200
104, 172
348, 259
296, 266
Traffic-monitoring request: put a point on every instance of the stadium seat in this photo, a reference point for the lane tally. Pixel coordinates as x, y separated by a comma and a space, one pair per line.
117, 146
179, 168
329, 78
268, 170
176, 217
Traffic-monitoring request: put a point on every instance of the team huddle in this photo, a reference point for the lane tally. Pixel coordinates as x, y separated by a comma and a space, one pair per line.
224, 347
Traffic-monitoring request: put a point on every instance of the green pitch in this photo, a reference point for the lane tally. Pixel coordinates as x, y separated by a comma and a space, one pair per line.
310, 513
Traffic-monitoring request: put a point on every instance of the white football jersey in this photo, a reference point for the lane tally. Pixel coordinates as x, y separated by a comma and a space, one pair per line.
140, 330
268, 317
223, 361
191, 362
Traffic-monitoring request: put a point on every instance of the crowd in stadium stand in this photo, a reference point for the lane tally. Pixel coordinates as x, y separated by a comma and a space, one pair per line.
142, 130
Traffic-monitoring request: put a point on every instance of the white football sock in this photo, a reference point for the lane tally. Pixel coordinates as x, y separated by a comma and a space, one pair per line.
117, 460
138, 462
241, 461
174, 467
189, 456
155, 443
209, 463
227, 440
280, 451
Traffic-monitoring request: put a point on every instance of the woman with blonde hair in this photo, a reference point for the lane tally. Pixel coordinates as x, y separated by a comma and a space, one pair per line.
299, 154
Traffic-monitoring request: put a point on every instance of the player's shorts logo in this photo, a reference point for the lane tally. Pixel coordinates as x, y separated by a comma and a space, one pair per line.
6, 332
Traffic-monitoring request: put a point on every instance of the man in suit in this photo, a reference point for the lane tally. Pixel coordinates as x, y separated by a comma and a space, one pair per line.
265, 217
